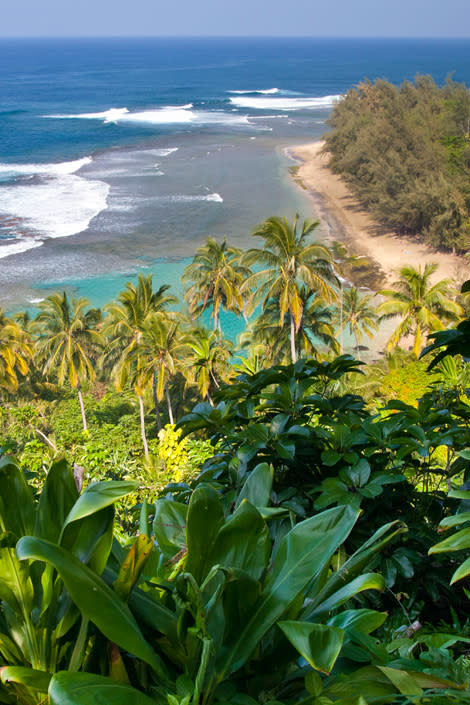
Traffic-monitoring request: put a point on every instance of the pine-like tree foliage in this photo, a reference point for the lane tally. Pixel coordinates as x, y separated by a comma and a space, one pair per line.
406, 154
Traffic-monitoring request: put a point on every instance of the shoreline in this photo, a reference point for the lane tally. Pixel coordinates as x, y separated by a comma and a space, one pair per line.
347, 221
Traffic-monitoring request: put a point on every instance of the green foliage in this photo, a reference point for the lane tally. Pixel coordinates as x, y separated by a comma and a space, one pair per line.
406, 153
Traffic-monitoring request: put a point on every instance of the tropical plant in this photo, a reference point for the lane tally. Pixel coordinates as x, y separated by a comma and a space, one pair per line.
206, 361
123, 326
40, 630
358, 316
216, 275
315, 331
289, 259
157, 357
15, 352
423, 307
66, 342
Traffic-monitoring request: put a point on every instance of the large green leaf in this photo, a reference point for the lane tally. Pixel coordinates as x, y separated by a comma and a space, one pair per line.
302, 553
326, 585
257, 487
17, 509
461, 572
99, 495
402, 681
169, 526
87, 689
90, 539
456, 542
58, 495
243, 542
317, 643
368, 581
39, 680
361, 620
96, 601
205, 517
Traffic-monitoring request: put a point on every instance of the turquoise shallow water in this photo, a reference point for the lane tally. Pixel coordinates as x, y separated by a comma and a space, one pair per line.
120, 156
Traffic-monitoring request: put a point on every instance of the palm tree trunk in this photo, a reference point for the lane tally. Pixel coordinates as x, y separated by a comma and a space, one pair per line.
209, 398
82, 407
168, 401
142, 427
155, 403
341, 332
214, 379
293, 352
357, 346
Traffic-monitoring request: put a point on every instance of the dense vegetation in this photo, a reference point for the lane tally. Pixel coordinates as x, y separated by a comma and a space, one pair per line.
406, 154
280, 544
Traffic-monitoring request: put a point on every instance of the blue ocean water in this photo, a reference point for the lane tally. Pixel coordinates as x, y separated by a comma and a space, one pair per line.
123, 155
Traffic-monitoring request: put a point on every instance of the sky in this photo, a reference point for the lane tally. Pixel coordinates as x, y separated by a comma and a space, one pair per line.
322, 18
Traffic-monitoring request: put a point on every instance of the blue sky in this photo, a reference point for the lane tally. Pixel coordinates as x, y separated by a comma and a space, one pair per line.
407, 18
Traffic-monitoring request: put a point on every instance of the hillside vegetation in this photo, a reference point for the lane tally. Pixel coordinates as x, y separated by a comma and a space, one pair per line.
405, 151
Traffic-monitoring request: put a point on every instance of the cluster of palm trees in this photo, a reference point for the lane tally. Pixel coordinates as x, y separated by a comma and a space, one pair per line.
143, 339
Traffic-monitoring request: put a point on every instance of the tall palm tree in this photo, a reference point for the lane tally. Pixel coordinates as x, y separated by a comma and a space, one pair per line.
422, 307
344, 264
123, 326
206, 362
15, 352
359, 315
159, 349
290, 259
315, 330
66, 342
216, 275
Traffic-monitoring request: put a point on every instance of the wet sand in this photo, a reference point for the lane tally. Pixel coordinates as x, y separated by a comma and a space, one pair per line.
348, 222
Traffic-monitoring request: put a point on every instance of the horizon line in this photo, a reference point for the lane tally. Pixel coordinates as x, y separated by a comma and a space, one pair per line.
237, 36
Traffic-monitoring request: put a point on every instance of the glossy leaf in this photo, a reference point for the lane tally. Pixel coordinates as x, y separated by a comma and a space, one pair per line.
58, 495
257, 487
317, 643
99, 495
456, 542
29, 677
243, 542
17, 508
302, 553
169, 526
132, 566
95, 600
88, 689
205, 517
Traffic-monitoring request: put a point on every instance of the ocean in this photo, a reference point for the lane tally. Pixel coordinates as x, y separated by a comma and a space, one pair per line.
120, 156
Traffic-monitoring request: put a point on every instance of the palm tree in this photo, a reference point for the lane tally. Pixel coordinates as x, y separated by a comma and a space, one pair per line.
423, 307
344, 264
158, 350
66, 342
359, 315
289, 261
15, 352
123, 326
217, 274
207, 361
315, 329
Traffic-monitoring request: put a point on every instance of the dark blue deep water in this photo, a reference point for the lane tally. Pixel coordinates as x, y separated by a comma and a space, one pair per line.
118, 155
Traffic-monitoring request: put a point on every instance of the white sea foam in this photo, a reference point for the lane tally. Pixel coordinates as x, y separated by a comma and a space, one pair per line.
19, 246
169, 115
47, 169
268, 91
35, 300
59, 206
212, 197
163, 152
326, 101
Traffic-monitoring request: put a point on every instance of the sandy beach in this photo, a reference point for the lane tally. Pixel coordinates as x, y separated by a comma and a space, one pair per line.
348, 222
